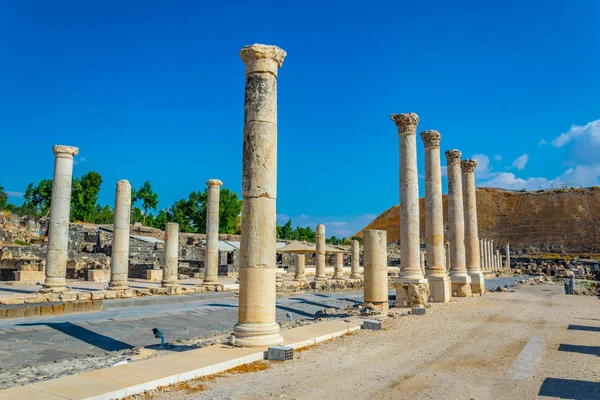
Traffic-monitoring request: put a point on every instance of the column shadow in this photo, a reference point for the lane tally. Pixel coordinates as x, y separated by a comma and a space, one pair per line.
294, 311
584, 328
570, 389
575, 348
10, 290
85, 335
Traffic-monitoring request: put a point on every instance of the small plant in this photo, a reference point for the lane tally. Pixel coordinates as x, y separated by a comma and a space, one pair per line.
21, 243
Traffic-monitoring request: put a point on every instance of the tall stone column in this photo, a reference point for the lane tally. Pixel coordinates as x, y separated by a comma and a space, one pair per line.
493, 254
487, 254
411, 287
498, 260
437, 275
320, 266
300, 264
355, 263
461, 281
490, 254
448, 258
257, 324
481, 254
60, 212
375, 271
170, 272
507, 254
338, 271
119, 271
211, 258
471, 230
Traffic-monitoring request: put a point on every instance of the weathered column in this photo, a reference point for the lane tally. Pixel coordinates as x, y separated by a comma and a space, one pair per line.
338, 271
448, 258
300, 263
481, 254
437, 275
494, 258
507, 254
411, 287
375, 271
320, 266
498, 260
490, 253
422, 261
461, 281
119, 269
211, 258
170, 272
471, 230
355, 263
60, 212
257, 324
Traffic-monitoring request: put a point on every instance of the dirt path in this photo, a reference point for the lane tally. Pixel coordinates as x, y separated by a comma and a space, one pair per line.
499, 346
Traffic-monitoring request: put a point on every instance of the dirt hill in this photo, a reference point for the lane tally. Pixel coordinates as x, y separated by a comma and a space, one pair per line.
547, 221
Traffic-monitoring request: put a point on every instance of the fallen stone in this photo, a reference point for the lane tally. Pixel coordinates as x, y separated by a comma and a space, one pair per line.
13, 301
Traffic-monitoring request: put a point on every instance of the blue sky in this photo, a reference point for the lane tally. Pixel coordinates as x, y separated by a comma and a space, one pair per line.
154, 90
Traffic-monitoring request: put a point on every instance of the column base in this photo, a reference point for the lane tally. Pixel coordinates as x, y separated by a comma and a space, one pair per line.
320, 278
118, 285
54, 285
338, 276
355, 275
257, 335
169, 284
300, 279
440, 289
477, 283
378, 307
53, 289
210, 282
411, 294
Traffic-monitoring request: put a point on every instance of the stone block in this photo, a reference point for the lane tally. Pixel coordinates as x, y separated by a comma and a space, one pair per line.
154, 275
461, 289
142, 292
125, 294
158, 291
84, 296
411, 294
98, 275
35, 298
68, 308
12, 301
52, 297
58, 309
418, 311
30, 276
68, 296
16, 312
99, 295
110, 294
371, 324
46, 309
32, 311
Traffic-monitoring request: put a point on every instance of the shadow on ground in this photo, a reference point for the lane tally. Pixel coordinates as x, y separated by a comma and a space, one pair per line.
576, 348
570, 389
584, 328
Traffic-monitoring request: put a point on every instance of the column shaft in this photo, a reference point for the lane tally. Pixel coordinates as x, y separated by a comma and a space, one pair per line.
257, 324
320, 266
355, 263
338, 272
375, 271
120, 248
211, 259
300, 265
507, 253
471, 230
170, 272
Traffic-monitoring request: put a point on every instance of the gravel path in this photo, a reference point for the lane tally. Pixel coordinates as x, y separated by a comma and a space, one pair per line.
533, 342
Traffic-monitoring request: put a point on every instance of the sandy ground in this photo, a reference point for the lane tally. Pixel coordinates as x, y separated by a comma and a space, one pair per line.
533, 342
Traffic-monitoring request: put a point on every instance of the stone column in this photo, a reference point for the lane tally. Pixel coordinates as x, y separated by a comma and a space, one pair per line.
507, 254
490, 255
375, 271
320, 266
481, 254
461, 281
437, 275
60, 211
300, 263
498, 260
471, 230
411, 287
257, 324
355, 266
170, 272
448, 258
338, 271
119, 269
211, 258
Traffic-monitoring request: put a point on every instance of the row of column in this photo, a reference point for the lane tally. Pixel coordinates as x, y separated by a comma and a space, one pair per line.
58, 235
300, 259
491, 259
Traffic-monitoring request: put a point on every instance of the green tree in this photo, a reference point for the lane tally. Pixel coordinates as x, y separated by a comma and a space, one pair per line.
148, 197
360, 240
104, 215
84, 196
36, 200
3, 198
230, 208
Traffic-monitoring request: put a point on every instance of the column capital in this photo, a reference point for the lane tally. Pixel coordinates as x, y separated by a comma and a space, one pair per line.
65, 151
453, 156
262, 58
213, 182
406, 123
431, 138
468, 165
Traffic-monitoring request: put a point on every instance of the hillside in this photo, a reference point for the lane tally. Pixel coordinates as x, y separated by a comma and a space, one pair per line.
549, 221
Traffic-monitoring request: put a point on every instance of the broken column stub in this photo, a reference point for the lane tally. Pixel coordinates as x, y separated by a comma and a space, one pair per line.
411, 286
60, 212
170, 273
257, 324
461, 281
300, 268
320, 266
211, 259
436, 273
355, 263
119, 269
338, 272
375, 271
471, 229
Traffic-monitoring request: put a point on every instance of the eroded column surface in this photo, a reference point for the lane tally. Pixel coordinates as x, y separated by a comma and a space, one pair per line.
60, 212
375, 271
320, 266
481, 254
355, 263
211, 259
507, 255
436, 272
170, 272
300, 268
448, 258
461, 281
338, 271
119, 269
411, 287
490, 255
257, 324
471, 230
498, 260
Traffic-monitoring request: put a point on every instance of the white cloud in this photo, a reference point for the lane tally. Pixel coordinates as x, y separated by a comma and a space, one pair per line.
78, 160
542, 142
14, 194
590, 130
508, 180
483, 169
520, 162
497, 157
